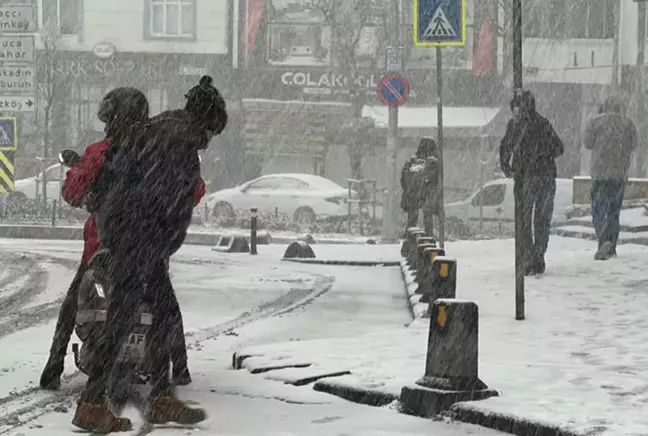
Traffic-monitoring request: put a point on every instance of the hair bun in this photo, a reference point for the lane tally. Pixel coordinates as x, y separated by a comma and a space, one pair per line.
206, 81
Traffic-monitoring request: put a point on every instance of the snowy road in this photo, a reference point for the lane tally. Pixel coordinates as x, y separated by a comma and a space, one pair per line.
228, 301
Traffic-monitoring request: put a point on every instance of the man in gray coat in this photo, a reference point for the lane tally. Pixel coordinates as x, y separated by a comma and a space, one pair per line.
612, 137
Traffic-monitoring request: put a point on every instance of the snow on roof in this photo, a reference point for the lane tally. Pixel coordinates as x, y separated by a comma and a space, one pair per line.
426, 117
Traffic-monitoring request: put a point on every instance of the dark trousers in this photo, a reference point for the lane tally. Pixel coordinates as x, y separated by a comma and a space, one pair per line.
130, 274
66, 319
428, 219
537, 200
607, 198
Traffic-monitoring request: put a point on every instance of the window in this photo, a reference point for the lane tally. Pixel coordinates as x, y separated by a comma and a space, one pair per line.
70, 16
557, 19
263, 184
173, 18
288, 183
492, 195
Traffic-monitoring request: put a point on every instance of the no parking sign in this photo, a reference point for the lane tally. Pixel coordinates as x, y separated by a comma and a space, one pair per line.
393, 90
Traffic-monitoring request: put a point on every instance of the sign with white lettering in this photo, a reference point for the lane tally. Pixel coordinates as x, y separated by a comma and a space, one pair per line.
18, 18
328, 83
17, 78
17, 103
189, 70
16, 48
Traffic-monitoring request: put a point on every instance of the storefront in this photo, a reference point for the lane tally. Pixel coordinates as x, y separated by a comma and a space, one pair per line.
80, 79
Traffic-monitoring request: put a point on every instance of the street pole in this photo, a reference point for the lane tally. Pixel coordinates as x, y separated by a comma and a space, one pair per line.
639, 88
390, 213
439, 86
518, 188
615, 48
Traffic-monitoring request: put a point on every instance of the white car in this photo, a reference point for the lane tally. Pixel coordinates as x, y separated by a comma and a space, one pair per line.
497, 203
299, 196
32, 187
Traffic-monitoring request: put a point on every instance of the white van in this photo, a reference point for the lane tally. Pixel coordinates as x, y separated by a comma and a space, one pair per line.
496, 199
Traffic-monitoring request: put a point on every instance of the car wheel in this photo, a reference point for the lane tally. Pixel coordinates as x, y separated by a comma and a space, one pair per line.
304, 215
223, 209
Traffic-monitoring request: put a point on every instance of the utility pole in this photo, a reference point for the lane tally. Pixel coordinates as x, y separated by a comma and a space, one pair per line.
390, 217
518, 187
615, 47
639, 88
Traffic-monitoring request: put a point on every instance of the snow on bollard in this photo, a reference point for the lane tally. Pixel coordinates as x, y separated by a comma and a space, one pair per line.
299, 250
451, 367
420, 248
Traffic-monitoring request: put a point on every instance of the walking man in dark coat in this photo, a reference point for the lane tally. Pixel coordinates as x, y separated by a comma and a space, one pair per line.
528, 153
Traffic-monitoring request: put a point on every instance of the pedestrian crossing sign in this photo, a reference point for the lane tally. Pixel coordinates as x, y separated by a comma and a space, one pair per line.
440, 23
8, 134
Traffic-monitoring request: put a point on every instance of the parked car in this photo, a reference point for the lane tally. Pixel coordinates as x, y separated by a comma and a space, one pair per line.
32, 187
300, 196
497, 203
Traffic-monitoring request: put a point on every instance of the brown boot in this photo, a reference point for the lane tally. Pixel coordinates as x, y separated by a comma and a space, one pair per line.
166, 407
99, 418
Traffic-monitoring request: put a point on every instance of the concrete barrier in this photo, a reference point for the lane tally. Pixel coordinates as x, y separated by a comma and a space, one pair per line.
451, 367
635, 189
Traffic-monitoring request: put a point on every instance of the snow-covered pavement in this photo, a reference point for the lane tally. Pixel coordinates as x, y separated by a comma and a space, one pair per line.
579, 360
228, 301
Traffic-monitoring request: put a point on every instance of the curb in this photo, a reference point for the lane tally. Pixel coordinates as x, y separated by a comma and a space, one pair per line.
464, 412
387, 263
358, 395
506, 423
578, 234
74, 233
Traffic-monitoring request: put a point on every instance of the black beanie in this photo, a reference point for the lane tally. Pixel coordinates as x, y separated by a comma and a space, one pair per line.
206, 104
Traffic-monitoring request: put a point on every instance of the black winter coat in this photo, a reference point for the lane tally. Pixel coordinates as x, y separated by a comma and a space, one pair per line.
532, 145
149, 206
420, 183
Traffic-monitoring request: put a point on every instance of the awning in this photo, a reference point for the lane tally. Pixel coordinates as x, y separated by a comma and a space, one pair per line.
422, 121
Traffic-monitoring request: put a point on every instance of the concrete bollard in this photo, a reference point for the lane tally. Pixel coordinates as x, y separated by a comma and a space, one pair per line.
429, 254
232, 244
299, 250
451, 367
440, 280
412, 241
418, 261
405, 248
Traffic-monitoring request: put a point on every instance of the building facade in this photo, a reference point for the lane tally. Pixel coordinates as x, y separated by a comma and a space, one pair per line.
86, 47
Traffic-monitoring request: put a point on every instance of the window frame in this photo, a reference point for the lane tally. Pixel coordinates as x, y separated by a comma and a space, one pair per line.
250, 186
480, 195
149, 34
80, 18
301, 185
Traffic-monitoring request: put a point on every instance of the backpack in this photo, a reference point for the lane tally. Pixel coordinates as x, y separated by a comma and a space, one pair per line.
155, 173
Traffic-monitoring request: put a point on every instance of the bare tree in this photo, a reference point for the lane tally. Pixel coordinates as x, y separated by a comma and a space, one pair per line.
48, 91
358, 37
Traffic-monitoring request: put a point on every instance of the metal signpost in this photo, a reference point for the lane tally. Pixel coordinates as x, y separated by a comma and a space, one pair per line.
517, 89
17, 81
440, 23
393, 91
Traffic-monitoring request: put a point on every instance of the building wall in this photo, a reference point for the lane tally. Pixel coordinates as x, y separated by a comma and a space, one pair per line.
131, 25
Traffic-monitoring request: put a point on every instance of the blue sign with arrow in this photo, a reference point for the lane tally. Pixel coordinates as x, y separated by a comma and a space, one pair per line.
439, 23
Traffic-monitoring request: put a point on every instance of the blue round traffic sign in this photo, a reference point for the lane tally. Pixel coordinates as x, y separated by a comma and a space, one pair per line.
393, 90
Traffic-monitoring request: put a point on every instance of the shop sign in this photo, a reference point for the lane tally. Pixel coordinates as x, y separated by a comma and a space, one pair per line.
328, 83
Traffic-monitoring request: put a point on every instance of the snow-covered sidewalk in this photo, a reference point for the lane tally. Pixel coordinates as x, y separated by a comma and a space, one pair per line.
579, 360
